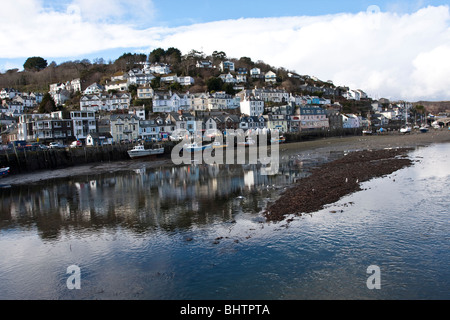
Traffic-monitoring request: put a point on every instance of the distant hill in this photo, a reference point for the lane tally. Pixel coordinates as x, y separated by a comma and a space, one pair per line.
435, 106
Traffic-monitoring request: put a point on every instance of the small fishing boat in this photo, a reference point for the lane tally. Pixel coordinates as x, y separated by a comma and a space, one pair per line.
405, 129
139, 151
4, 172
195, 147
423, 129
281, 139
248, 142
219, 145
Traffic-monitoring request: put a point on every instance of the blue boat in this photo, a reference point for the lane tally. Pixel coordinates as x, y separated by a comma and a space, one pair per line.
4, 172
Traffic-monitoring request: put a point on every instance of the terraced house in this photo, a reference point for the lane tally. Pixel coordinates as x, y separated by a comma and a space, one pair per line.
124, 127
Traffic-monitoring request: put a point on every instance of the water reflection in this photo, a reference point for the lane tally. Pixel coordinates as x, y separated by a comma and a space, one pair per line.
145, 199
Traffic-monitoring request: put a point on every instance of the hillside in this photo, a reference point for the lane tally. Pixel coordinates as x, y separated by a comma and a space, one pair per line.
435, 107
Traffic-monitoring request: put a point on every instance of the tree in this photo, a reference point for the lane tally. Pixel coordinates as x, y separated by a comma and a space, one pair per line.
214, 84
228, 88
35, 64
219, 55
47, 105
156, 55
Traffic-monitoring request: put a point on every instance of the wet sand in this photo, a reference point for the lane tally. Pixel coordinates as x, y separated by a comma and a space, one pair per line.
368, 157
355, 143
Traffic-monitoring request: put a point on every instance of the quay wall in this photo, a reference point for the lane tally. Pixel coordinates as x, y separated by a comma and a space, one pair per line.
26, 161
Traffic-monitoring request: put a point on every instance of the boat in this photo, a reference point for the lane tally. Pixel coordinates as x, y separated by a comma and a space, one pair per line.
218, 145
4, 172
405, 129
367, 132
423, 129
139, 151
281, 139
195, 147
248, 142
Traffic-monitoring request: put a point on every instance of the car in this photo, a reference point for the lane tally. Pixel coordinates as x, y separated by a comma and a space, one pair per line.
56, 145
76, 144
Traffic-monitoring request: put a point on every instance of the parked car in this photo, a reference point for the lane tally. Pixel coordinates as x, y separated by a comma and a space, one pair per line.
76, 144
56, 145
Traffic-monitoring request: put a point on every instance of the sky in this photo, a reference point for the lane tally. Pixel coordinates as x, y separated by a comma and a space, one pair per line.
391, 49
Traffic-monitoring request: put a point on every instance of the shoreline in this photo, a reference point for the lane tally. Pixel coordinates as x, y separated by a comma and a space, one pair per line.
345, 144
367, 158
330, 182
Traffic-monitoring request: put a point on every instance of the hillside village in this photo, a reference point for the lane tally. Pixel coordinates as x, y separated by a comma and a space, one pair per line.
150, 99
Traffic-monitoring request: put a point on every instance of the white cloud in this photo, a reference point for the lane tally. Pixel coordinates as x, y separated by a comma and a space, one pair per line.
393, 55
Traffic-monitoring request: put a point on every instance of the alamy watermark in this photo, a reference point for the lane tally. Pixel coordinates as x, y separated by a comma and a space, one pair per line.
74, 280
228, 148
374, 281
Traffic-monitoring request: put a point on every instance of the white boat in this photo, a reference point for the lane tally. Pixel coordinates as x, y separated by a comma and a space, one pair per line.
139, 151
405, 129
218, 145
281, 139
247, 143
195, 147
4, 172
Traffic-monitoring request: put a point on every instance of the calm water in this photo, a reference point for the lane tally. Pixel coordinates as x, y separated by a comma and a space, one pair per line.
196, 232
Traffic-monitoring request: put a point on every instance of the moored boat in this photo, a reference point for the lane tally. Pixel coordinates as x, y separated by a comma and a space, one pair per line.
219, 145
281, 139
248, 142
405, 129
4, 172
195, 147
139, 151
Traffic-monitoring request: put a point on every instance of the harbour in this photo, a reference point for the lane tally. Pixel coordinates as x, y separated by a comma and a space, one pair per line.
198, 232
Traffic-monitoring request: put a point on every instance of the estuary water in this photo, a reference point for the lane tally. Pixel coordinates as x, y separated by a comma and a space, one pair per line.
197, 232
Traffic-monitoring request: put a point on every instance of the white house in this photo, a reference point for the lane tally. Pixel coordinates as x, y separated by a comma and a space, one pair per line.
94, 88
226, 65
138, 77
84, 122
186, 81
145, 92
121, 85
271, 76
158, 68
228, 78
204, 64
255, 73
169, 78
168, 102
350, 121
252, 106
199, 101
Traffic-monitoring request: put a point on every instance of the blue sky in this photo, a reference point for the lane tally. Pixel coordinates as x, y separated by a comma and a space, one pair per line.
389, 48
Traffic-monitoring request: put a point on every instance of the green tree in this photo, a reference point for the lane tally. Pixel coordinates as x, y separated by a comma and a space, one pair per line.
35, 64
47, 105
214, 84
228, 88
156, 55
